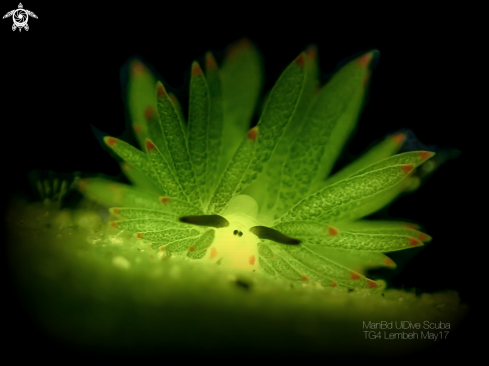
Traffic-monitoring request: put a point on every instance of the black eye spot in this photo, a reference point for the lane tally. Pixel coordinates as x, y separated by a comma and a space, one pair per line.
235, 232
240, 233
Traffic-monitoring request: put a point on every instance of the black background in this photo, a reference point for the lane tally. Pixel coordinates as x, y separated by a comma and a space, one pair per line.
64, 75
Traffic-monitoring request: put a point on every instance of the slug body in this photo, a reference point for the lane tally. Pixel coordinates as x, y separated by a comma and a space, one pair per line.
234, 246
188, 176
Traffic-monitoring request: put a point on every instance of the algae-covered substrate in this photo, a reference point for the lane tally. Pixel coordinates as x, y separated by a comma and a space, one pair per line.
92, 288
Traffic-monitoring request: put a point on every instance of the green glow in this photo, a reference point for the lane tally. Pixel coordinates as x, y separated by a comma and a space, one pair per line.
275, 175
145, 281
84, 282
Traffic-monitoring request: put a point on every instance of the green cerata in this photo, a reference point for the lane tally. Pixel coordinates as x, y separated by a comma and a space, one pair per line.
211, 189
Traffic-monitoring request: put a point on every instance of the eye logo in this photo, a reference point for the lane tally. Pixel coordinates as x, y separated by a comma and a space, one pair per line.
20, 17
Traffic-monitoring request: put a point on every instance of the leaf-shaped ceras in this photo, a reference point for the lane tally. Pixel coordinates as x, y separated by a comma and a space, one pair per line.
199, 190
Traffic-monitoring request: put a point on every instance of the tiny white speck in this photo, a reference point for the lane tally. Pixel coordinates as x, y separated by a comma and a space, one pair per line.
121, 262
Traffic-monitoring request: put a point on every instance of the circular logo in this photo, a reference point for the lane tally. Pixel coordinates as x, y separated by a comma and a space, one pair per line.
20, 17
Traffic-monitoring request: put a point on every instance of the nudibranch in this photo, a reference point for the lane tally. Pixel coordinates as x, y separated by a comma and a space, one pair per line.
262, 199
